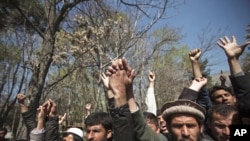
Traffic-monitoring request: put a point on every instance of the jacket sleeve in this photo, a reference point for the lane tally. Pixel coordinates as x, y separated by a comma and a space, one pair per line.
37, 135
241, 86
188, 94
150, 101
52, 129
122, 123
142, 131
29, 120
201, 97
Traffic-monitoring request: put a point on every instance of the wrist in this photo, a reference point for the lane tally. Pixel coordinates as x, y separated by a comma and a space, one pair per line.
151, 84
195, 88
132, 105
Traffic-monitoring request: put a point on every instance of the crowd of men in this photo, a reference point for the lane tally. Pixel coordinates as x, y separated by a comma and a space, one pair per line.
199, 113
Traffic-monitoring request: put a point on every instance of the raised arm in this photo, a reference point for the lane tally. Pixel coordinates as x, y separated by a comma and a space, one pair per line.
150, 95
37, 134
28, 116
223, 79
194, 56
52, 123
233, 52
120, 113
105, 81
121, 82
239, 80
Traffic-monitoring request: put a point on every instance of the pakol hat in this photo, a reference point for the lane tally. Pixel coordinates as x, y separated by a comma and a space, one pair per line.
75, 131
183, 106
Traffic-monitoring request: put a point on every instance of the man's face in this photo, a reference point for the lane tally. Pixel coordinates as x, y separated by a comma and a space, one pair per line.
184, 127
162, 124
224, 97
219, 126
97, 133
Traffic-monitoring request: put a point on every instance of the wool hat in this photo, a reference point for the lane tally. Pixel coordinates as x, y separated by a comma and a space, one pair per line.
75, 131
183, 106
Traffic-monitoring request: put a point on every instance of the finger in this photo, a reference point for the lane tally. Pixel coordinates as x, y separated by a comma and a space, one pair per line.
103, 76
132, 76
226, 39
114, 64
222, 41
220, 44
52, 102
111, 69
108, 73
120, 64
126, 66
65, 114
41, 109
234, 39
245, 44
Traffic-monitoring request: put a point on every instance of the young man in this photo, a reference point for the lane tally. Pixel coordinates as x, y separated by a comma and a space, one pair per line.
222, 95
98, 127
184, 120
220, 117
152, 122
162, 123
73, 134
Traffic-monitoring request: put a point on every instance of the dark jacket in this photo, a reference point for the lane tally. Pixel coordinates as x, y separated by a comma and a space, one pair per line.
241, 86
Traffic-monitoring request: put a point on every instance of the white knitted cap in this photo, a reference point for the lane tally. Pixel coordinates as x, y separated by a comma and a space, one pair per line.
75, 131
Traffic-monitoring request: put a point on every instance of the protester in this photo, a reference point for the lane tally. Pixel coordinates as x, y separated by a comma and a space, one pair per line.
184, 119
72, 134
220, 117
98, 127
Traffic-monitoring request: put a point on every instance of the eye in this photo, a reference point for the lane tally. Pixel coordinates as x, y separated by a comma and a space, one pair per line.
220, 126
191, 125
177, 125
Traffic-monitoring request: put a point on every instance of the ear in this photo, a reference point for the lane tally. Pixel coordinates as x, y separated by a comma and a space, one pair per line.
109, 134
202, 128
235, 99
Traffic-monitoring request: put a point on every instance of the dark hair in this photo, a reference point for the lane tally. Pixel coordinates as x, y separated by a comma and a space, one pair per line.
221, 109
150, 116
102, 118
217, 87
158, 112
75, 137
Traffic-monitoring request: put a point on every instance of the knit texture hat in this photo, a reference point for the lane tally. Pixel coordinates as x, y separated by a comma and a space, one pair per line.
183, 106
75, 131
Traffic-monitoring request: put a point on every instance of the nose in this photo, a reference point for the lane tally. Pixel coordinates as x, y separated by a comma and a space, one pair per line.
90, 135
226, 131
184, 131
224, 98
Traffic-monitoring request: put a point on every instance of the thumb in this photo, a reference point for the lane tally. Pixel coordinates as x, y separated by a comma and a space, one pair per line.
132, 75
245, 44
